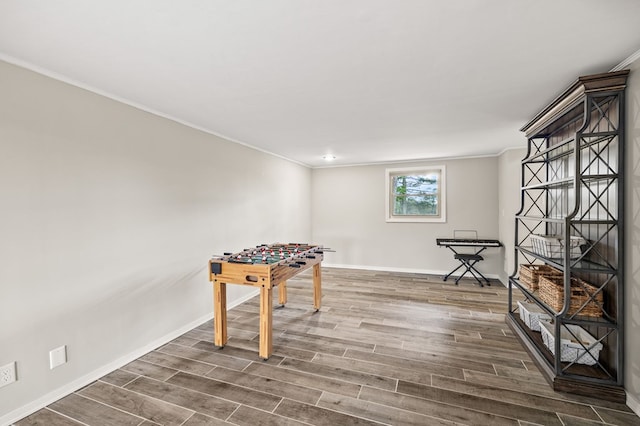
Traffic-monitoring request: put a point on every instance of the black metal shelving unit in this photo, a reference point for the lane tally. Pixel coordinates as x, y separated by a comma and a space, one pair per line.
572, 185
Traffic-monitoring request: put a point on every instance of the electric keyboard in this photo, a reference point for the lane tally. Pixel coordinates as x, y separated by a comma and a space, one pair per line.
464, 242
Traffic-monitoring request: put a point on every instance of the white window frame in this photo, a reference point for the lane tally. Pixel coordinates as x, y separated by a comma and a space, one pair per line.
442, 202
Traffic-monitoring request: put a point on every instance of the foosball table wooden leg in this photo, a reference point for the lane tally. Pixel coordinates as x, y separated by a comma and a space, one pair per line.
266, 322
219, 314
282, 293
317, 287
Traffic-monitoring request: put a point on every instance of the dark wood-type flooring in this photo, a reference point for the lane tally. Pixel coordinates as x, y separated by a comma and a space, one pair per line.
386, 348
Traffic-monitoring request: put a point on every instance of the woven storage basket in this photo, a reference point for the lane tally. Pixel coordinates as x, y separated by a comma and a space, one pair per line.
530, 274
551, 291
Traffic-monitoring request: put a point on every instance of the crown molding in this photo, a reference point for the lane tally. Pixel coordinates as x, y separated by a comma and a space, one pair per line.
628, 61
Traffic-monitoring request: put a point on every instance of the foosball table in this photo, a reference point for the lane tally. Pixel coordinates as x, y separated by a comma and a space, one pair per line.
266, 266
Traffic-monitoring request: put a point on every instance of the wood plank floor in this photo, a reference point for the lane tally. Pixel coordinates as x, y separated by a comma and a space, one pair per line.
386, 348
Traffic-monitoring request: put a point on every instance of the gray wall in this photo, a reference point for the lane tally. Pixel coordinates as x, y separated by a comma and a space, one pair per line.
109, 216
632, 243
509, 203
349, 216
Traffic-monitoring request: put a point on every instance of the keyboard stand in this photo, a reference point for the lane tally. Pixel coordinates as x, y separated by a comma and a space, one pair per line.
468, 261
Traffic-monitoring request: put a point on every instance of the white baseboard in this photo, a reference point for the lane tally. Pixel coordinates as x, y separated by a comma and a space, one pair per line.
633, 403
393, 269
91, 377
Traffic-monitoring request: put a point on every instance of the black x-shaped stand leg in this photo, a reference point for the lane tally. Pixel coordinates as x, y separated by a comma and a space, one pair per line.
468, 261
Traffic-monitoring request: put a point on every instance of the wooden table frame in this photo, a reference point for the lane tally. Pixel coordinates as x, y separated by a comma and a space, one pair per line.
266, 277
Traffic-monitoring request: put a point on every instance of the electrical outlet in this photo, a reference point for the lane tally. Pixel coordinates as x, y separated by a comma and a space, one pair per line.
7, 374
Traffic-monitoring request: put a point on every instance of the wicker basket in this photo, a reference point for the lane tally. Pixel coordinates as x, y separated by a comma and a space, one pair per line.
551, 291
530, 274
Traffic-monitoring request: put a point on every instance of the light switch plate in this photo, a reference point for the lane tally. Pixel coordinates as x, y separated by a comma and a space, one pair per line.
57, 357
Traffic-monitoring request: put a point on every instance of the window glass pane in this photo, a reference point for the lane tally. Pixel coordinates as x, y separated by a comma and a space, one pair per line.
416, 205
416, 194
416, 184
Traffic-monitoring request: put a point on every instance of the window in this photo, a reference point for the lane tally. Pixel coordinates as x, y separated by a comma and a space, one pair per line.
416, 194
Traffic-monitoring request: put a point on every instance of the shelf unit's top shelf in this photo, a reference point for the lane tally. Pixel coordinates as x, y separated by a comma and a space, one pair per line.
565, 147
554, 152
551, 184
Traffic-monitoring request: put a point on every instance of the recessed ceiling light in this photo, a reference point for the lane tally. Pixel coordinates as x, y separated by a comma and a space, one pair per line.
329, 157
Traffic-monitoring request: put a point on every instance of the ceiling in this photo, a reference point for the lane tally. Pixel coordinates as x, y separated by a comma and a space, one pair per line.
365, 80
